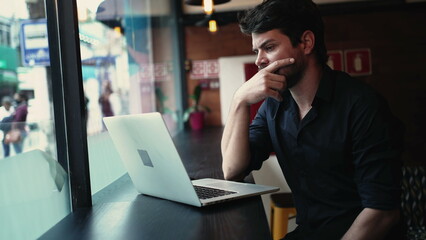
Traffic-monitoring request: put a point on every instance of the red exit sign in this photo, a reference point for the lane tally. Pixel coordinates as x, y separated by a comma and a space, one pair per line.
358, 62
335, 60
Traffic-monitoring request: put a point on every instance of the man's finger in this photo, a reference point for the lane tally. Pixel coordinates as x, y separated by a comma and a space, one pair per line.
279, 64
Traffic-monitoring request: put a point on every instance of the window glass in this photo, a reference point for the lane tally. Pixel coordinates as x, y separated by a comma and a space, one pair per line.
34, 191
128, 68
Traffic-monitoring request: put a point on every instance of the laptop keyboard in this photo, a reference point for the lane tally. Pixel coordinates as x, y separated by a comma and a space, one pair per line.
206, 192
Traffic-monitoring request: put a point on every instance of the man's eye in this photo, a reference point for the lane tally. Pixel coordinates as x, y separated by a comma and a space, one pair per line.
269, 48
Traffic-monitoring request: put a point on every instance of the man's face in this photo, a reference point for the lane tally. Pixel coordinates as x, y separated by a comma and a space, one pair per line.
7, 105
273, 45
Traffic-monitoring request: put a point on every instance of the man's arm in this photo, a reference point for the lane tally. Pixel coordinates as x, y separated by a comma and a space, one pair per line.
377, 147
372, 224
235, 138
235, 143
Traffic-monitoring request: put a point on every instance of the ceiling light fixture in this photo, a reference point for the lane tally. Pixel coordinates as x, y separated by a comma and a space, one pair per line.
200, 2
211, 22
212, 26
208, 7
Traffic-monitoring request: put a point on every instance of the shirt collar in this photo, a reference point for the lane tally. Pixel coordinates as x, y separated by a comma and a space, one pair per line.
324, 92
286, 99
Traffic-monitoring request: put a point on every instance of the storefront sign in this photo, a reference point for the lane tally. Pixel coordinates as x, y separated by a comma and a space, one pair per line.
34, 43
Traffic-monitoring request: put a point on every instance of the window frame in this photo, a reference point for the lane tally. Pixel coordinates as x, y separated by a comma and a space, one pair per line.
68, 97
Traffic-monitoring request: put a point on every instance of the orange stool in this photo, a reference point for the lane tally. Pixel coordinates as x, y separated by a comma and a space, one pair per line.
282, 209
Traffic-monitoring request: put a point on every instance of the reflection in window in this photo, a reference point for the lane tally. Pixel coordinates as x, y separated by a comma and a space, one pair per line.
128, 68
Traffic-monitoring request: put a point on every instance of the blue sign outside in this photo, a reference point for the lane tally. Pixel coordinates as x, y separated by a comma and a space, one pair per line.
34, 43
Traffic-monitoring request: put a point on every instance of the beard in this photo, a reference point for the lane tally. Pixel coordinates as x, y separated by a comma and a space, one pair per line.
293, 73
294, 77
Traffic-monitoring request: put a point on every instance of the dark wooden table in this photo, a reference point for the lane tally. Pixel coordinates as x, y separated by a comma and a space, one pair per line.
119, 212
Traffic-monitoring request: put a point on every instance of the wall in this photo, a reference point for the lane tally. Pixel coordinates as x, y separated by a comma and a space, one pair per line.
202, 45
231, 77
397, 39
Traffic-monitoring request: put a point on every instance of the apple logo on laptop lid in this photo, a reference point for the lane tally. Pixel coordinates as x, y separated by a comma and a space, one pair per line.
145, 158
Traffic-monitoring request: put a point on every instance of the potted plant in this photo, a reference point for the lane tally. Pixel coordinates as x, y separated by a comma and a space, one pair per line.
169, 116
195, 113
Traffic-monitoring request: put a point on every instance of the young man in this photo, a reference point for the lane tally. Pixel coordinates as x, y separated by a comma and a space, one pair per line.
335, 138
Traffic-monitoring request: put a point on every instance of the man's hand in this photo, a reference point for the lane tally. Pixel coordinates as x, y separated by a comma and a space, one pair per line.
235, 139
266, 83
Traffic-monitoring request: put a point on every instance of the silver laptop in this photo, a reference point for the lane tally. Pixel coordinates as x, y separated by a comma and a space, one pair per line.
154, 165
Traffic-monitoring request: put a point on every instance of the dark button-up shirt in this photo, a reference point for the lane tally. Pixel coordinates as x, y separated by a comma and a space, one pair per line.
343, 156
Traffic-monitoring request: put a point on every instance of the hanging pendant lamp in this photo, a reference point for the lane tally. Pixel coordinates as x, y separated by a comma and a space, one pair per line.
200, 2
210, 20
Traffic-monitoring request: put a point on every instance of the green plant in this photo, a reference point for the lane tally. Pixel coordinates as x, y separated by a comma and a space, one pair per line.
161, 98
196, 107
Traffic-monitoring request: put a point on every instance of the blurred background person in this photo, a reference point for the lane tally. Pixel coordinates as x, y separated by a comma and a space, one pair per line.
104, 100
6, 118
20, 119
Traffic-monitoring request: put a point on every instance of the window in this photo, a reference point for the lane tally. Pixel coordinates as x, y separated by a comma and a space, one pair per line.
129, 66
34, 187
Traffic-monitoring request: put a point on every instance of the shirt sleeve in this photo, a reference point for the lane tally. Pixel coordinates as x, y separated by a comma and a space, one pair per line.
259, 139
377, 139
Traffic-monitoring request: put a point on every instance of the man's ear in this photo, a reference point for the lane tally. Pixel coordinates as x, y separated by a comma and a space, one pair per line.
308, 41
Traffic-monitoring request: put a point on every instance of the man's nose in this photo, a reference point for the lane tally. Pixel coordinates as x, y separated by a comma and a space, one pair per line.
261, 61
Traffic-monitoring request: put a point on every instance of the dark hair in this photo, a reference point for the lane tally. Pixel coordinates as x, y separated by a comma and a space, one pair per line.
6, 99
23, 96
291, 17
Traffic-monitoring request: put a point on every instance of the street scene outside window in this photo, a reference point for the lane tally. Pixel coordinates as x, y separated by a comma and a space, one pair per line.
34, 191
129, 66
